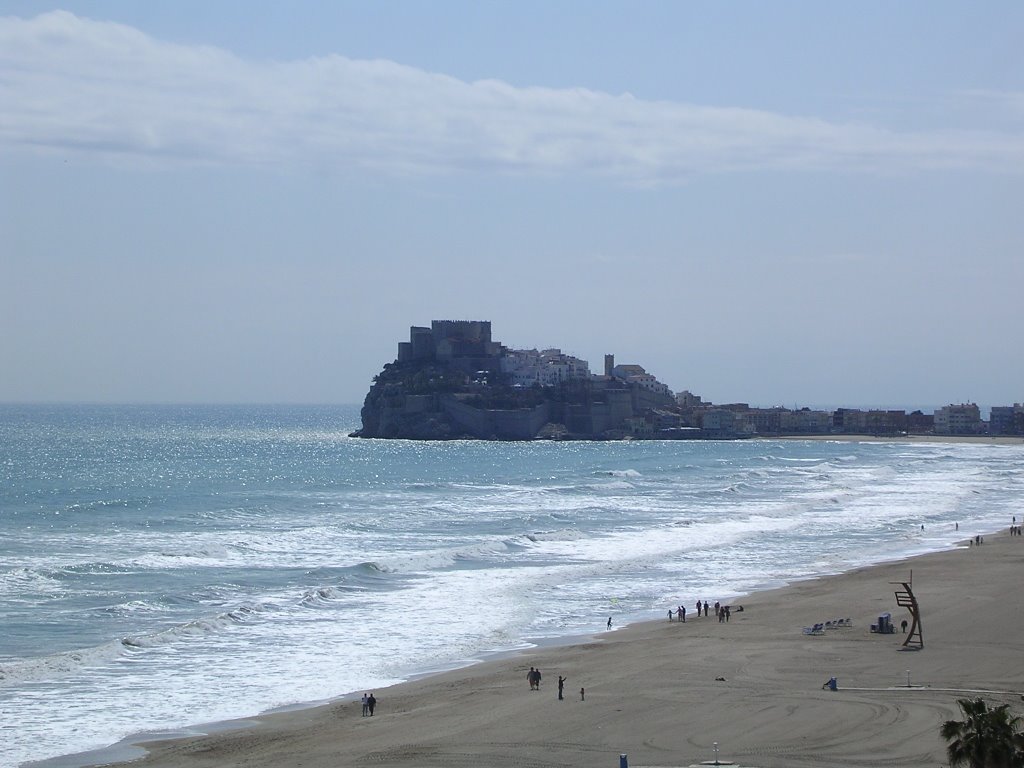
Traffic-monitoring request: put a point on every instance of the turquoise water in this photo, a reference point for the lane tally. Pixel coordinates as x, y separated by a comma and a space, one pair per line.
167, 566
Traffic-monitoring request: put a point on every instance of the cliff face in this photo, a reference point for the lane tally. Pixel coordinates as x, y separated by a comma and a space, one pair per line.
403, 403
426, 401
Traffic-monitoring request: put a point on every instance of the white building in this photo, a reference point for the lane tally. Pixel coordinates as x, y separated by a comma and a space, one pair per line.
549, 368
648, 382
963, 419
635, 374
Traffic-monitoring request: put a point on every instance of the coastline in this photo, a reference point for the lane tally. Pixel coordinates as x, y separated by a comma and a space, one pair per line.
664, 693
850, 438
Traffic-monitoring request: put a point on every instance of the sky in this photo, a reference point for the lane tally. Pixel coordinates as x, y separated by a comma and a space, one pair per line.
793, 203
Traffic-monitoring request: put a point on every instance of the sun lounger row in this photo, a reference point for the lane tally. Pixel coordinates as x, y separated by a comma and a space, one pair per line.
819, 629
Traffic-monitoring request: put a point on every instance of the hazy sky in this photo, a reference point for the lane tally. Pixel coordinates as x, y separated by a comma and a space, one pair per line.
788, 203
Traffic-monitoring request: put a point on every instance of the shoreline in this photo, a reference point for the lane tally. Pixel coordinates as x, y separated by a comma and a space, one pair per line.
931, 439
653, 689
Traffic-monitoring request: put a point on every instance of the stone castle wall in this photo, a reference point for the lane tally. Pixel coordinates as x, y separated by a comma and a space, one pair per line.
521, 424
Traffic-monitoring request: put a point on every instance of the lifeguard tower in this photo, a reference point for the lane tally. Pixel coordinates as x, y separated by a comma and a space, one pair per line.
905, 599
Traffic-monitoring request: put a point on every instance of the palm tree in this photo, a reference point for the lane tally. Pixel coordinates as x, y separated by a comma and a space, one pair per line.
985, 738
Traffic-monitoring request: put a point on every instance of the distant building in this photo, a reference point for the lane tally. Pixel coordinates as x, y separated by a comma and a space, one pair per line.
767, 421
805, 422
687, 399
625, 371
726, 423
639, 426
920, 423
719, 421
1006, 420
635, 374
549, 368
962, 419
854, 421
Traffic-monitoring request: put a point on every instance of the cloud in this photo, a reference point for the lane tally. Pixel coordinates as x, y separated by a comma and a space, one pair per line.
74, 84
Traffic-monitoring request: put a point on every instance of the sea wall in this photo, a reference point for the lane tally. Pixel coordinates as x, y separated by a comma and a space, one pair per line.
520, 424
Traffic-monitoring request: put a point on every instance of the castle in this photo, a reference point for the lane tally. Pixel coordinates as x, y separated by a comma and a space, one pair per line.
453, 380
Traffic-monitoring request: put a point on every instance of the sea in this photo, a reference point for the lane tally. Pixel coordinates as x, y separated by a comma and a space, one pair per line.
165, 568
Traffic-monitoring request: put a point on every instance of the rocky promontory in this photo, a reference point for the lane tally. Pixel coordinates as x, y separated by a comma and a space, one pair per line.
451, 381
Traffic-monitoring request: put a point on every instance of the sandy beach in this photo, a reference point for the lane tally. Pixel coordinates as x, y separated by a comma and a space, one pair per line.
664, 693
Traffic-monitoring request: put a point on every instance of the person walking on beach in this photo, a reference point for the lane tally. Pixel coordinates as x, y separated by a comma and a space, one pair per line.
698, 609
366, 704
682, 613
561, 684
609, 622
371, 703
531, 678
670, 614
705, 608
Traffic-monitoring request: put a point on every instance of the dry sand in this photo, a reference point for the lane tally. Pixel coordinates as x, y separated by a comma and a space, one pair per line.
663, 693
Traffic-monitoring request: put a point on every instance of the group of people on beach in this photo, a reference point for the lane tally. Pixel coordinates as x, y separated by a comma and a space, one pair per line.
369, 704
722, 612
533, 678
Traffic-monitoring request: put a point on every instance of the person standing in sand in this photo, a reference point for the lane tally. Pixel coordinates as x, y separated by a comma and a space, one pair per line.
371, 704
561, 684
530, 678
366, 704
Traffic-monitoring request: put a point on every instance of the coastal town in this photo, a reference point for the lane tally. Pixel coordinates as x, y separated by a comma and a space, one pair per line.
451, 380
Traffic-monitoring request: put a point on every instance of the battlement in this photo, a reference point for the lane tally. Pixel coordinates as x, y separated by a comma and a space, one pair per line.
461, 330
449, 340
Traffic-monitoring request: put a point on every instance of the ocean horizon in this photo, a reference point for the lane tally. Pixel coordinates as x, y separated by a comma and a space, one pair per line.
163, 566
